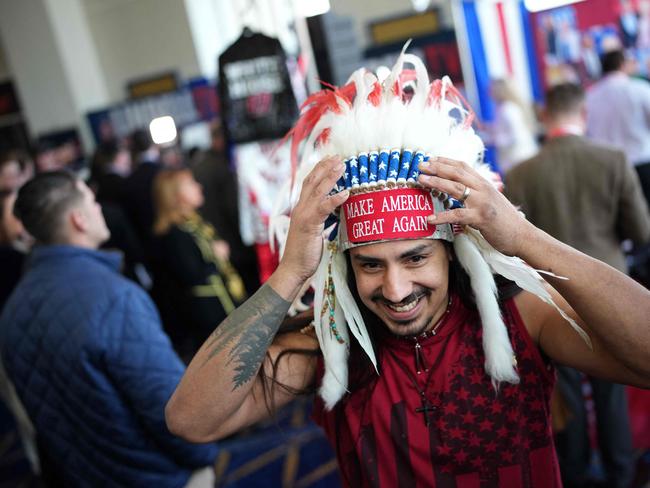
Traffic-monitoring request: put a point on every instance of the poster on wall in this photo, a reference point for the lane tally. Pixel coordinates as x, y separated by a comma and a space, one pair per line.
571, 39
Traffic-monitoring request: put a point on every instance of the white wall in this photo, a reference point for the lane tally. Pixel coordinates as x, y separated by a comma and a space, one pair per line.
138, 38
216, 24
35, 63
5, 72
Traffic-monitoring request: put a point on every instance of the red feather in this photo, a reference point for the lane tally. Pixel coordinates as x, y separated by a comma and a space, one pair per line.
435, 91
375, 95
470, 113
312, 110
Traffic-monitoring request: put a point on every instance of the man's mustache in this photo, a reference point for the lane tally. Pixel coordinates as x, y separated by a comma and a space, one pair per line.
415, 295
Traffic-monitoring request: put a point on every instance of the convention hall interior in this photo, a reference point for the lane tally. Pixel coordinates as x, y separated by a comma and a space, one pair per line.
165, 164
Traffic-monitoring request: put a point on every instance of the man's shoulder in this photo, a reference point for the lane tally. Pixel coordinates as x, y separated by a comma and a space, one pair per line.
92, 276
593, 151
580, 149
525, 169
639, 84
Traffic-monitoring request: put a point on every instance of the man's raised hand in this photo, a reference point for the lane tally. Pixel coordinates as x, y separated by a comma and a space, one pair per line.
305, 237
484, 207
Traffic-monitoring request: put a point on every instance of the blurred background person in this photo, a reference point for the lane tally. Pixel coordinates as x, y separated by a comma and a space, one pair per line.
14, 245
618, 114
14, 422
145, 156
628, 22
111, 166
46, 157
10, 173
218, 179
86, 353
15, 169
199, 282
586, 195
513, 131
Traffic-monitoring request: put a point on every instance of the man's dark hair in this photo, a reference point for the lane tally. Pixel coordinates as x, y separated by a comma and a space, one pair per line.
140, 141
612, 61
42, 203
566, 98
104, 156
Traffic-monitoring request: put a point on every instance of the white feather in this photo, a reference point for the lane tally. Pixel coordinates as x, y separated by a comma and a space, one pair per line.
349, 306
415, 130
515, 269
499, 357
335, 354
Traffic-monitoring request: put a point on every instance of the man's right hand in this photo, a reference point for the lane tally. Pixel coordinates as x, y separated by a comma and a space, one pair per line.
304, 245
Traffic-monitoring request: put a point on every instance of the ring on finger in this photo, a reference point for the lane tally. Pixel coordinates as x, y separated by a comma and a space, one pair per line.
465, 194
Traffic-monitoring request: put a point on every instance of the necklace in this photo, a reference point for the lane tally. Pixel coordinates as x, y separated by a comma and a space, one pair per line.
425, 408
420, 364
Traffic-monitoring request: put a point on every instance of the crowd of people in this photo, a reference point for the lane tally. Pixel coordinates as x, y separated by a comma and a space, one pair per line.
129, 366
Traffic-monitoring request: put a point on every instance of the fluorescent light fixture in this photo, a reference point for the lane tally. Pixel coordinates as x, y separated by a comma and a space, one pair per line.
163, 130
310, 8
539, 5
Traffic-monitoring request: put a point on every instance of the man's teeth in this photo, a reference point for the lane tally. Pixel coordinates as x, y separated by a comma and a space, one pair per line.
404, 308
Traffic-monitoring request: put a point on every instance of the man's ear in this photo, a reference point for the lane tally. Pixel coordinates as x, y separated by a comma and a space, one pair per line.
78, 220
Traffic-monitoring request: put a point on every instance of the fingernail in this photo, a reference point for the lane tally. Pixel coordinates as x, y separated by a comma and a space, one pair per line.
345, 193
431, 218
425, 164
339, 167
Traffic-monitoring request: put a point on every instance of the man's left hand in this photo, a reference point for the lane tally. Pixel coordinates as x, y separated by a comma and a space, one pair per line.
484, 207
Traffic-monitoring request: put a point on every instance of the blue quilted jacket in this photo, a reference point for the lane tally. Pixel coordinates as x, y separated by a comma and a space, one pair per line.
86, 352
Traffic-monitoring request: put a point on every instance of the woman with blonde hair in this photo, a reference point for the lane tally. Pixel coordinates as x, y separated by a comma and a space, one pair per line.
199, 282
513, 131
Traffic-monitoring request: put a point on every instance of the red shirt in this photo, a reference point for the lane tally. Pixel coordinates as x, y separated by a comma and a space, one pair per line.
475, 437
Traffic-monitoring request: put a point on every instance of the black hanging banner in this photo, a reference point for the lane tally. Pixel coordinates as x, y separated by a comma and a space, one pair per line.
257, 99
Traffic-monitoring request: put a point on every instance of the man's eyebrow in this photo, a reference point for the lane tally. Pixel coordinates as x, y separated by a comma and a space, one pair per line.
422, 248
365, 259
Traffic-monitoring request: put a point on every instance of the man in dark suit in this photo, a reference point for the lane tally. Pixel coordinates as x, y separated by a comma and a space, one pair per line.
587, 196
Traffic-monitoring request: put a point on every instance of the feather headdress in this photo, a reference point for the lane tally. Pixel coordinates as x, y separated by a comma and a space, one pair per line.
384, 130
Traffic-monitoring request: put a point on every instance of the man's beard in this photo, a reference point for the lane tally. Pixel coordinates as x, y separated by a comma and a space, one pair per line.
419, 294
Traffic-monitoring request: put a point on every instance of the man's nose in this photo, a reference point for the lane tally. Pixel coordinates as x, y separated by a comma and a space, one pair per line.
396, 286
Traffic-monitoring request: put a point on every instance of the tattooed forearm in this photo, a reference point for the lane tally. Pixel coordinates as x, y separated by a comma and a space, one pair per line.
248, 332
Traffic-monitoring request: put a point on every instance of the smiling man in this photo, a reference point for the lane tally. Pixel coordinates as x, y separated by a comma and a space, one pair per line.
405, 284
426, 375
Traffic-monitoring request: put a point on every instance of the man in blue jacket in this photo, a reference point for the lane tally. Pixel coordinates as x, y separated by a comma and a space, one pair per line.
86, 351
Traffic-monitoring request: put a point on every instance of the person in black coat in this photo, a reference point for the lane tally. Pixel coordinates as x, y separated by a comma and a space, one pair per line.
197, 286
221, 205
110, 169
14, 243
139, 203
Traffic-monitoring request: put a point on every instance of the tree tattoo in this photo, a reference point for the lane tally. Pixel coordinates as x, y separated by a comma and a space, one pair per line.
248, 333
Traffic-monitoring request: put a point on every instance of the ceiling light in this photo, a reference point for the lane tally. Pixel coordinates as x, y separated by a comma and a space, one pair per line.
539, 5
310, 8
163, 130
